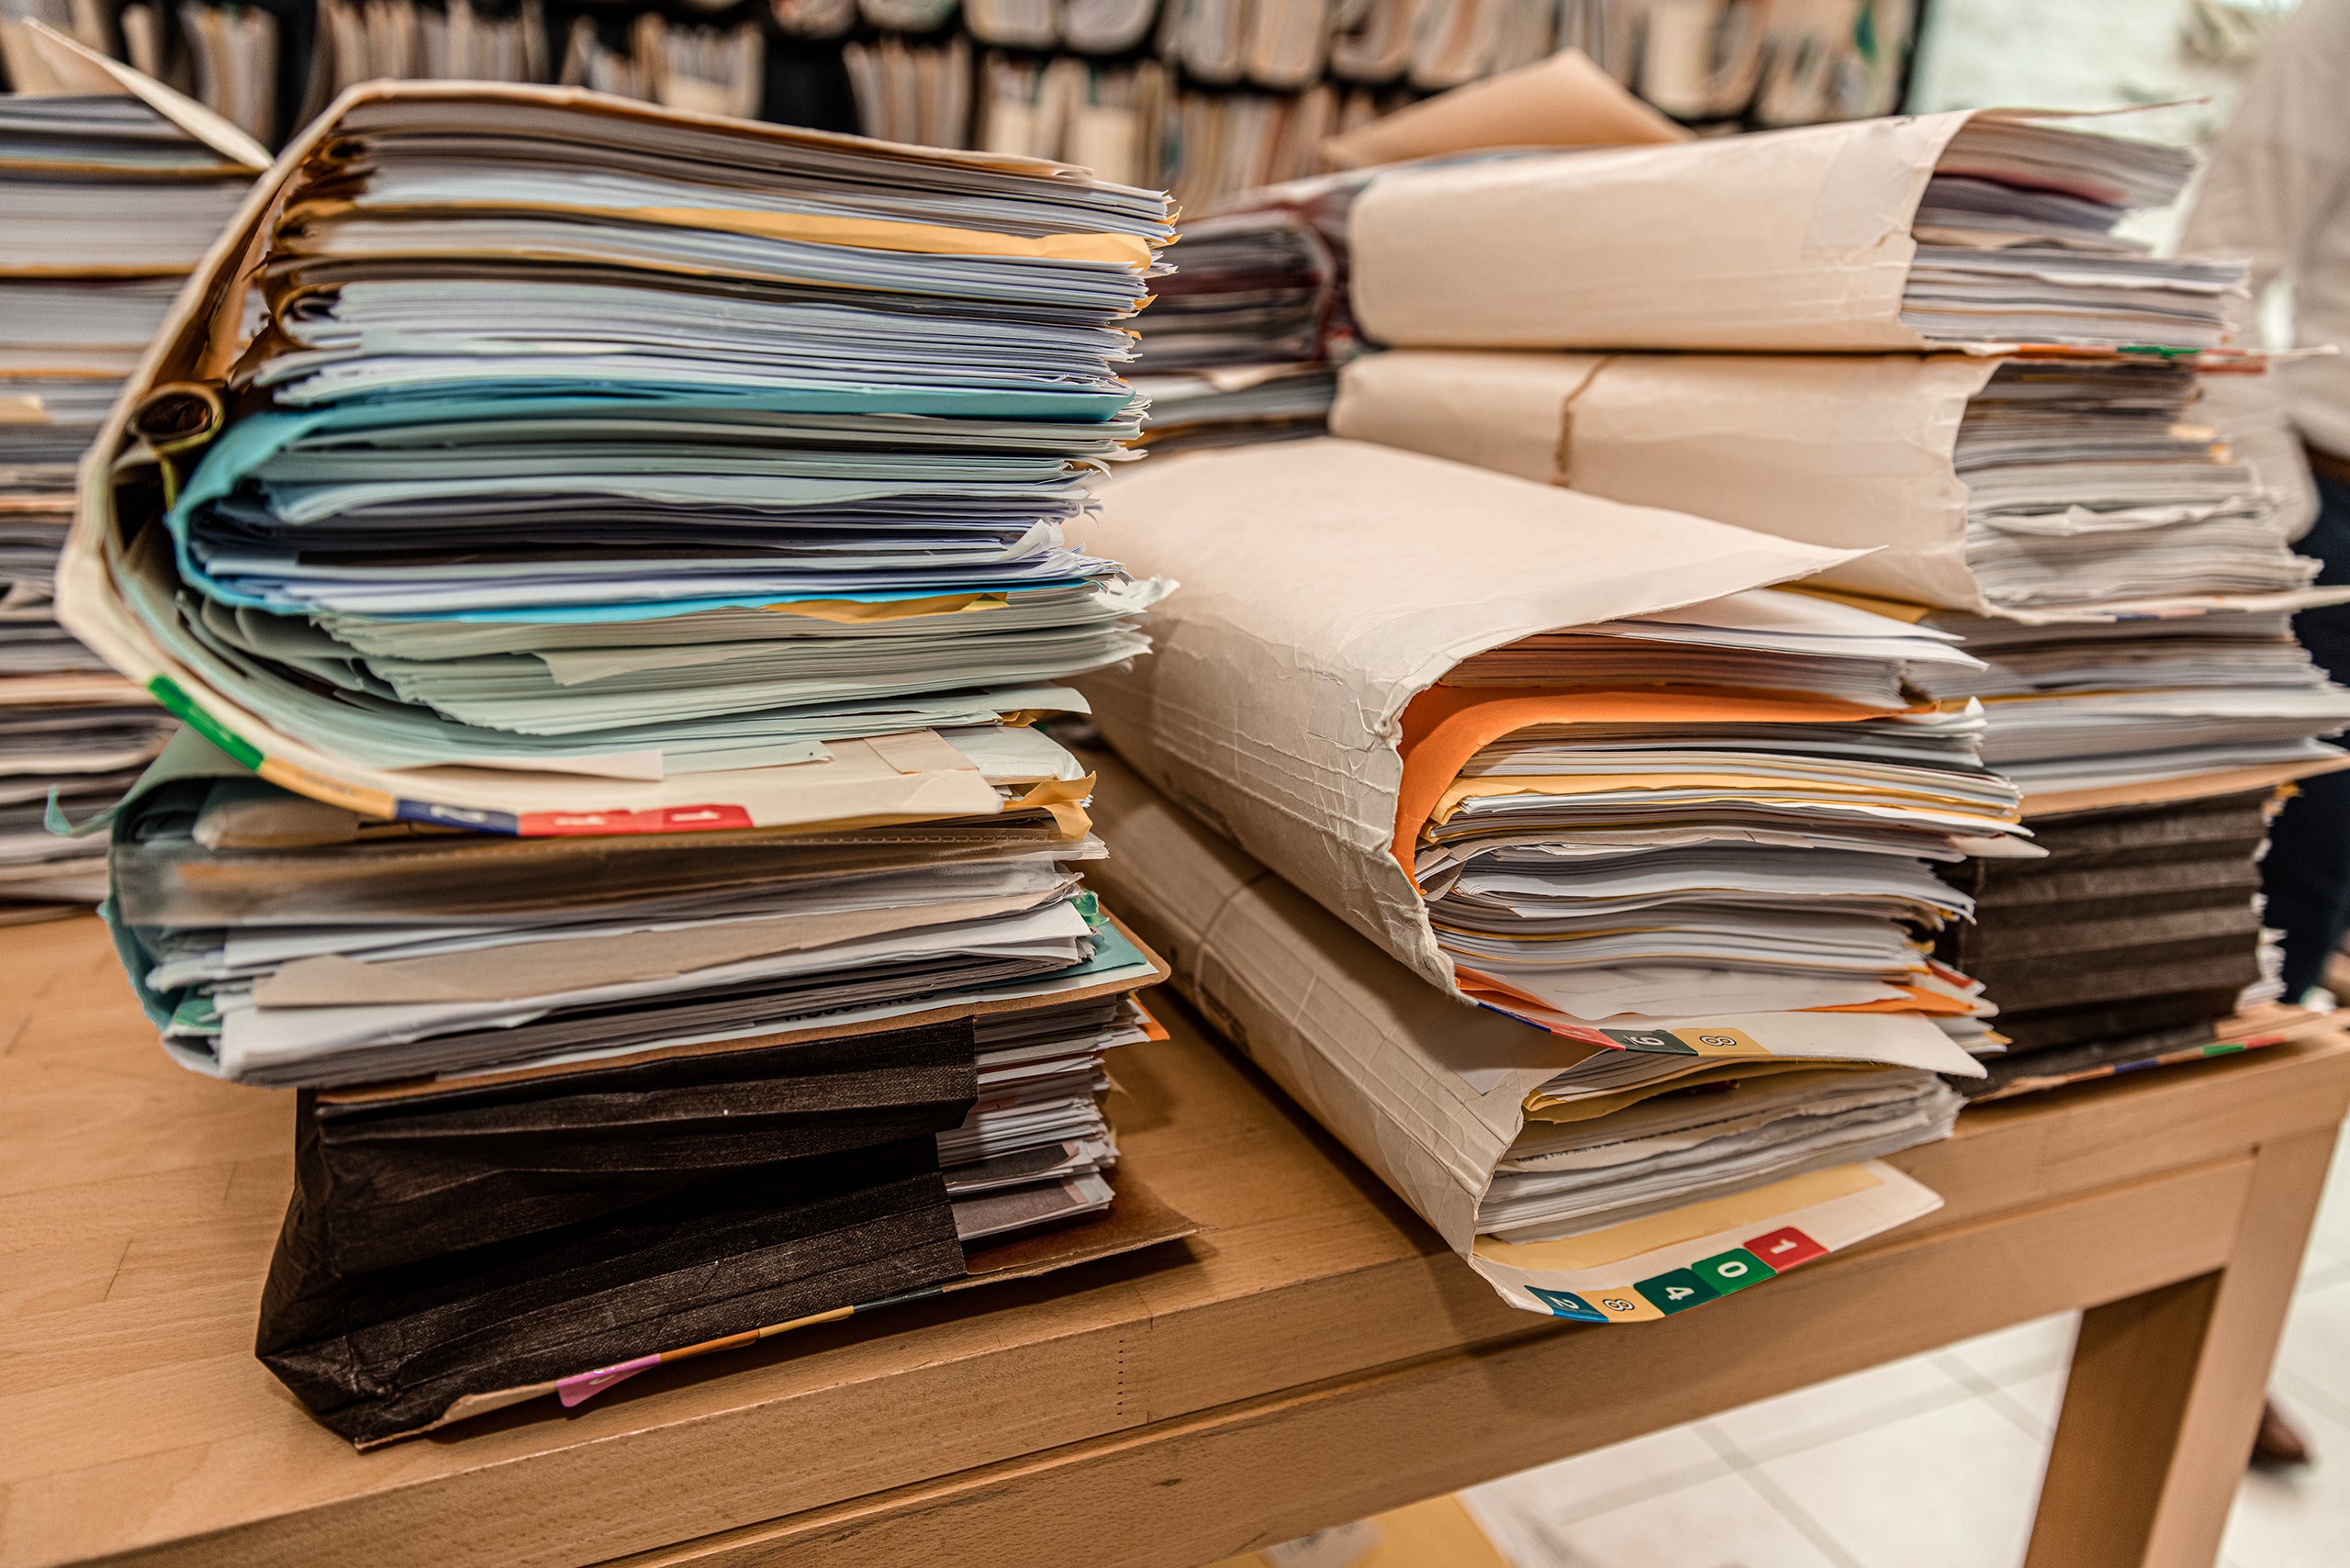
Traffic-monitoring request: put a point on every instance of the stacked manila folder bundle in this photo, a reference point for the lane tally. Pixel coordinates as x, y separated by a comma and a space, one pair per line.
2050, 496
609, 596
1567, 759
115, 186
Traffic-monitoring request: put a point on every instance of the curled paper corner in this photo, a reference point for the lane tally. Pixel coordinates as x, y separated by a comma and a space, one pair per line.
576, 1391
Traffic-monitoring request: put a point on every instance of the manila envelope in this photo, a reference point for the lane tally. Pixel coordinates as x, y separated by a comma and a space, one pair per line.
1794, 240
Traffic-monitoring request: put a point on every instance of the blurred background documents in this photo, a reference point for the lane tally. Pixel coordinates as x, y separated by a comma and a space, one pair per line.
115, 187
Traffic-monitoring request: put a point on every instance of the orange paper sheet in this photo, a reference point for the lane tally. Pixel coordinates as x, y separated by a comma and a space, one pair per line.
1445, 725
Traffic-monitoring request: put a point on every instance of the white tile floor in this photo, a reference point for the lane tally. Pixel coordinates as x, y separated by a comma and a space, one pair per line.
1930, 1463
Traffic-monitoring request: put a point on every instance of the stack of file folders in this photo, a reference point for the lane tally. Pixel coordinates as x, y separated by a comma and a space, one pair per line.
1677, 836
2124, 578
608, 596
113, 197
2136, 942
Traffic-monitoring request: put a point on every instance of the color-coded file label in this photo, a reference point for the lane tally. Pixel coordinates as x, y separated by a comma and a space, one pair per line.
1785, 1248
1677, 1290
1675, 1042
1566, 1303
1597, 1306
1732, 1271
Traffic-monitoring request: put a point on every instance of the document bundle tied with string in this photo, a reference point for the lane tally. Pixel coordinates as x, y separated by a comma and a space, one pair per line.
112, 187
609, 591
2050, 495
1557, 756
1243, 342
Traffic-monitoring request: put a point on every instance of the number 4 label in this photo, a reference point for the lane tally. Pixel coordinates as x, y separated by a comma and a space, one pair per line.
1676, 1290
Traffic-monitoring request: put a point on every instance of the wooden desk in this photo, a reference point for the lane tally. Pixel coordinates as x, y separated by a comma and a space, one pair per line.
1319, 1356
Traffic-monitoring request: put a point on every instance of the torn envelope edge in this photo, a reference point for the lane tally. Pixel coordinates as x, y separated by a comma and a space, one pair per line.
1805, 245
1846, 451
1137, 1218
192, 352
1380, 1056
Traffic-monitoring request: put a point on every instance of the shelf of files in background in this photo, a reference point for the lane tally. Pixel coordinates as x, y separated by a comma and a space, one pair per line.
1208, 98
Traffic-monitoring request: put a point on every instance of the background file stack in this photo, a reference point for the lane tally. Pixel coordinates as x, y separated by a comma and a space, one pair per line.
109, 200
680, 499
1210, 99
2123, 574
1243, 342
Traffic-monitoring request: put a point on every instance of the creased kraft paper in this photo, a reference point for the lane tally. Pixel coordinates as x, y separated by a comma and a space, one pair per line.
1325, 585
1788, 239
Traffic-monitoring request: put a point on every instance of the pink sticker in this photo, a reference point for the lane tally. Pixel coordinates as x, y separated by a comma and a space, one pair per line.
578, 1390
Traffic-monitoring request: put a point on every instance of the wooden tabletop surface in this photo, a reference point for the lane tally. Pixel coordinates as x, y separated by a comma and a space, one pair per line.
139, 1203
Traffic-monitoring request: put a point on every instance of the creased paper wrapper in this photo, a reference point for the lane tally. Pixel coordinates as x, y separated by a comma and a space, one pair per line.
1326, 583
1855, 452
1382, 1061
1787, 240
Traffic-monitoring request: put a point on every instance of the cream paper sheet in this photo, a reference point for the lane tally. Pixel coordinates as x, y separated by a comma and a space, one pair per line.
1807, 243
1326, 583
1427, 1091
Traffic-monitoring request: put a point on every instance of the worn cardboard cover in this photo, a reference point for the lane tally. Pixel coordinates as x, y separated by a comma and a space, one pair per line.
1787, 240
1427, 1091
1325, 585
1564, 101
1138, 1218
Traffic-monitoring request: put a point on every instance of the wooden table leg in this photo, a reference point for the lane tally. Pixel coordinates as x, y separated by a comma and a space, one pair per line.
2166, 1388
